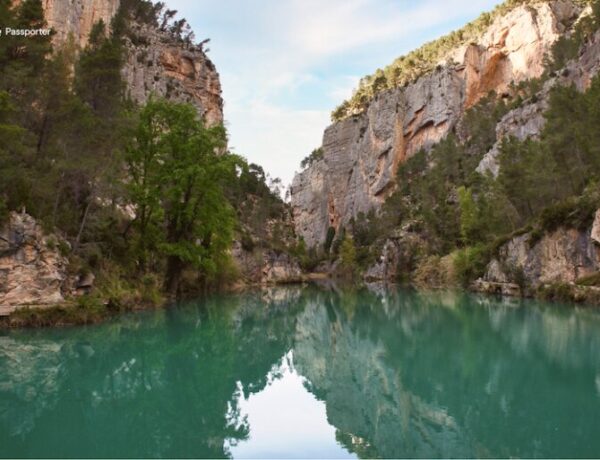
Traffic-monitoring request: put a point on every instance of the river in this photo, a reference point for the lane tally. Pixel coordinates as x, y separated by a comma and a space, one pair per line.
309, 372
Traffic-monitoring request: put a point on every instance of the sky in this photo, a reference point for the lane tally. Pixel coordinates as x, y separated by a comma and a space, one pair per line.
286, 64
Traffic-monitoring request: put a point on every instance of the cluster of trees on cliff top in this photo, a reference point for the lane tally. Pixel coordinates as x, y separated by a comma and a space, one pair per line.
142, 194
413, 65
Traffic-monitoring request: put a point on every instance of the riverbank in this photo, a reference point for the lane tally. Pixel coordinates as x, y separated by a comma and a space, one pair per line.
98, 307
94, 309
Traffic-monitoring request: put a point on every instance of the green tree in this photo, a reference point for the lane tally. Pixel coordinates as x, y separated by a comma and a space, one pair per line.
178, 185
470, 223
348, 257
98, 79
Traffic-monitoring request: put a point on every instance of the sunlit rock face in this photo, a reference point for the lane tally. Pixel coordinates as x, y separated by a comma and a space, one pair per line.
361, 154
561, 256
76, 17
527, 120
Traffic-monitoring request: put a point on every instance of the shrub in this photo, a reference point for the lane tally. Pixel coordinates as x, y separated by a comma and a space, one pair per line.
315, 155
470, 263
348, 257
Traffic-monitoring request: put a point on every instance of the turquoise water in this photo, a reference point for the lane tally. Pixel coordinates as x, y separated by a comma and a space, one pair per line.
308, 372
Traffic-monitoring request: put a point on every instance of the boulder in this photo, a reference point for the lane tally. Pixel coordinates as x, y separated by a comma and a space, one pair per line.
33, 272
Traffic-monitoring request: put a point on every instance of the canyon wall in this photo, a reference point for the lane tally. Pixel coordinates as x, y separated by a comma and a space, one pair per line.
361, 154
76, 17
33, 271
156, 62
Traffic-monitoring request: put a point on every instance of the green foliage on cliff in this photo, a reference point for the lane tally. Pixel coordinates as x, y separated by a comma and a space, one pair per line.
315, 155
423, 60
430, 183
348, 264
543, 184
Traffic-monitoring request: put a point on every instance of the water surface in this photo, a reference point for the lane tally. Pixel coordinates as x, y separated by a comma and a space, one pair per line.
309, 372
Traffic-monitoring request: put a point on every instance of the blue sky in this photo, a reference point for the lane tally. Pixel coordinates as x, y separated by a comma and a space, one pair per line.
285, 64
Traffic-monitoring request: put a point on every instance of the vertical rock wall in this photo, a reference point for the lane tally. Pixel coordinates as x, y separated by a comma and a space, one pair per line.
362, 153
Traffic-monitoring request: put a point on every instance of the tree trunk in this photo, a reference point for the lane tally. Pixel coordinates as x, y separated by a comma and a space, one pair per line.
82, 226
173, 276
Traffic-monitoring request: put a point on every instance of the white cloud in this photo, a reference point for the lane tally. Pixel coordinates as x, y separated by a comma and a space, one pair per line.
275, 136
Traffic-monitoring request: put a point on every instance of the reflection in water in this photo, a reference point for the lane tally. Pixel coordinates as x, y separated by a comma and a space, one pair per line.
294, 372
285, 417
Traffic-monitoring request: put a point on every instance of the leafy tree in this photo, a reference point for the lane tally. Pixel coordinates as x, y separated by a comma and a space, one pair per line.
177, 185
469, 219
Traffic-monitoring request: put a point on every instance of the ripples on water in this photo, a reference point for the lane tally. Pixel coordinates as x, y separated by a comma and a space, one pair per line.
308, 372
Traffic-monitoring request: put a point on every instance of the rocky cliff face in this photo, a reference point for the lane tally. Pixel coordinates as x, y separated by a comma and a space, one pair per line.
528, 120
76, 17
362, 153
32, 269
155, 62
564, 256
158, 64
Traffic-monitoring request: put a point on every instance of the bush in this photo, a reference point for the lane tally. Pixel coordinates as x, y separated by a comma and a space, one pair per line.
590, 280
470, 263
572, 213
348, 257
316, 155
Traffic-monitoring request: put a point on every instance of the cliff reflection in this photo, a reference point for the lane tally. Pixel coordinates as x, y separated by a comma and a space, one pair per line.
441, 374
401, 374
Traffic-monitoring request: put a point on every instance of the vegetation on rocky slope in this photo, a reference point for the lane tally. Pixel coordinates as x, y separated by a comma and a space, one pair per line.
424, 59
461, 217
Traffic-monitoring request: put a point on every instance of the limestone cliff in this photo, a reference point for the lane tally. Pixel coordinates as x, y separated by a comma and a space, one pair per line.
361, 154
527, 120
76, 17
564, 256
155, 61
32, 269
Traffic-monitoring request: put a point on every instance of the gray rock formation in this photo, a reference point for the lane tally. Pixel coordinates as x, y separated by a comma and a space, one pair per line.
32, 269
563, 256
157, 64
266, 266
362, 153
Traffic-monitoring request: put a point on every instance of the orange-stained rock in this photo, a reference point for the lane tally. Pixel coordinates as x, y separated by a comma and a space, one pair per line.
76, 17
